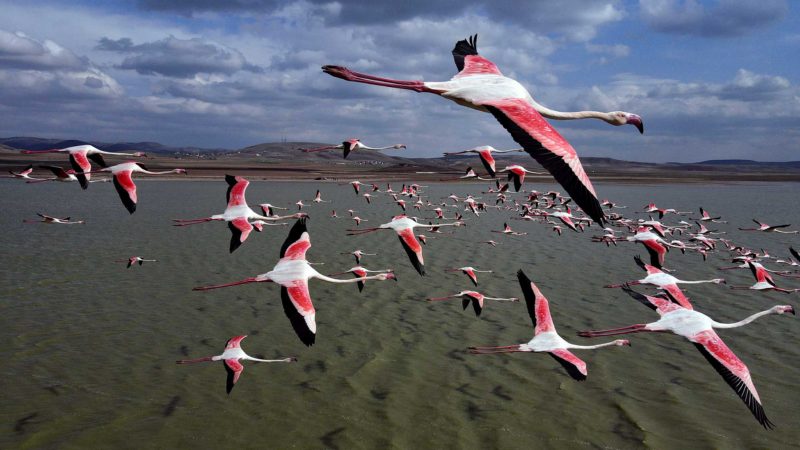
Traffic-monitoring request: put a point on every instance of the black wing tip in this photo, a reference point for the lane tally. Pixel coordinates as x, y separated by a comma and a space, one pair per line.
230, 179
464, 47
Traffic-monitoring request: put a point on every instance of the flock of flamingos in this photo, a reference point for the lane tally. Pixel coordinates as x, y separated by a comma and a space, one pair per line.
480, 85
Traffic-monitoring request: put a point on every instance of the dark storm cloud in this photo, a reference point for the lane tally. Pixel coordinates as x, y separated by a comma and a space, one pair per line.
179, 58
725, 18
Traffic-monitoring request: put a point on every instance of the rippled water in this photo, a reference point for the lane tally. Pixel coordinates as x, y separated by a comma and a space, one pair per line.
88, 346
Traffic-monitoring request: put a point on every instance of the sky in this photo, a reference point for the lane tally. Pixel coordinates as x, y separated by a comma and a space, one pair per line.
712, 79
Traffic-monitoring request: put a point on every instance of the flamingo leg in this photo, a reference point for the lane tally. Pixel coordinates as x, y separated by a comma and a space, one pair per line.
235, 283
614, 331
487, 350
349, 75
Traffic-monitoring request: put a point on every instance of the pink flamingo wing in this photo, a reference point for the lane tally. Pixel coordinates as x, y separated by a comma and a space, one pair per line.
477, 65
123, 182
236, 190
548, 148
234, 342
733, 371
678, 295
574, 365
234, 369
488, 161
412, 248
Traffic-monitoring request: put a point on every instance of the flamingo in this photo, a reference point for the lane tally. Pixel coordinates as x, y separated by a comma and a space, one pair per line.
136, 260
361, 272
292, 273
356, 185
231, 356
518, 172
357, 254
55, 220
469, 173
480, 85
476, 298
764, 280
470, 272
24, 173
698, 329
237, 213
508, 231
352, 145
705, 217
667, 282
123, 180
318, 198
64, 176
404, 227
485, 153
545, 337
79, 157
269, 209
656, 247
770, 228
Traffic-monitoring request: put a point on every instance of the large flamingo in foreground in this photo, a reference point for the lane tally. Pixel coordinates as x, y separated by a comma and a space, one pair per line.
292, 272
404, 227
698, 328
231, 356
545, 338
238, 214
480, 85
79, 156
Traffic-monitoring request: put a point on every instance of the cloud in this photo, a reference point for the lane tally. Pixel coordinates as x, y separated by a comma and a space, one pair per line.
726, 18
180, 58
18, 51
576, 19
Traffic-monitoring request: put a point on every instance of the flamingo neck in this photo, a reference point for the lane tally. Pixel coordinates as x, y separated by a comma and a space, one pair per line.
561, 115
592, 347
744, 321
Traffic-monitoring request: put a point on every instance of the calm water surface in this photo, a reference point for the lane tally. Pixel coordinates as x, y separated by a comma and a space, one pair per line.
88, 347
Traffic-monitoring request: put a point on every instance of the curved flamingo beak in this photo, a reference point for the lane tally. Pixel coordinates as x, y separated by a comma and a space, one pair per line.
636, 121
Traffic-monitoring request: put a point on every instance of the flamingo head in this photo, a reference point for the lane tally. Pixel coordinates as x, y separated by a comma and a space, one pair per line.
635, 120
180, 171
622, 342
387, 276
719, 280
783, 309
140, 154
399, 146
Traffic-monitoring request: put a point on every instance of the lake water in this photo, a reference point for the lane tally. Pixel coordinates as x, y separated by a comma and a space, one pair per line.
88, 346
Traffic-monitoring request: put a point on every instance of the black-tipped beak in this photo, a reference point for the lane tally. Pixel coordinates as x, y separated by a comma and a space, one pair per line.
636, 121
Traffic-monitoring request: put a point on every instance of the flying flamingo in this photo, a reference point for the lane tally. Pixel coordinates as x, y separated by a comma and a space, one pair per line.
231, 356
508, 231
404, 227
24, 173
54, 220
292, 273
361, 272
698, 328
357, 254
545, 338
356, 185
767, 228
237, 213
705, 217
764, 280
470, 272
469, 173
352, 145
480, 85
517, 173
136, 260
79, 157
123, 180
656, 247
476, 298
485, 153
269, 209
65, 176
318, 198
664, 281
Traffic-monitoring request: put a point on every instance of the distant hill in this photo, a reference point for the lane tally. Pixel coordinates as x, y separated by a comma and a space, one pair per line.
289, 152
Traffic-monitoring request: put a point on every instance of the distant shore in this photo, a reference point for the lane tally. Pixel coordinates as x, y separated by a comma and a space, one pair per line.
254, 169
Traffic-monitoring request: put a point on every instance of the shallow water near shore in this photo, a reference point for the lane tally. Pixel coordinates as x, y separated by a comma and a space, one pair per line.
89, 346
